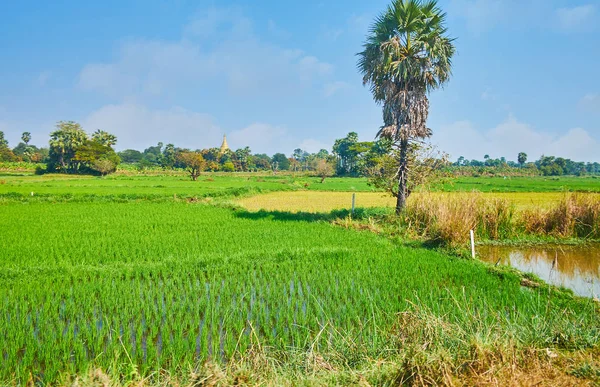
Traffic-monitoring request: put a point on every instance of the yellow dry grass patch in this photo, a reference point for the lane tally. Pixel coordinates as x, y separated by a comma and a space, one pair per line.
323, 201
314, 201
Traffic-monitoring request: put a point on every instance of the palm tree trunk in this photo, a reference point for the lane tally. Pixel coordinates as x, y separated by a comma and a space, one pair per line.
402, 177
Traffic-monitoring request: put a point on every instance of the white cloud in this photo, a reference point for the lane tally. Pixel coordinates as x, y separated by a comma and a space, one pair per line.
39, 129
488, 95
43, 77
276, 30
333, 87
313, 146
332, 34
480, 15
359, 23
212, 21
269, 139
484, 15
238, 59
138, 127
511, 137
577, 17
261, 138
146, 67
591, 102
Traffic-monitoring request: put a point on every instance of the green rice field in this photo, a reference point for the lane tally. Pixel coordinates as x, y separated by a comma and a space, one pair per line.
139, 287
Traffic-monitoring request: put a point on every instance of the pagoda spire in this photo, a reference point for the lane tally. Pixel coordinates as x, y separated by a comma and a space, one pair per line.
224, 146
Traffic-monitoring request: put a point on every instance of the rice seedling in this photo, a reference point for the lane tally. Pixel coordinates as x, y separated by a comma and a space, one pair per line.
140, 289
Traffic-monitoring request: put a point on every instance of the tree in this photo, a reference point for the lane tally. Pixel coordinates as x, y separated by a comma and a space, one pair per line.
342, 149
153, 154
104, 166
168, 158
3, 142
324, 169
5, 153
104, 138
427, 165
280, 162
72, 151
228, 167
64, 142
406, 55
97, 157
130, 156
27, 152
323, 154
193, 162
243, 157
26, 137
262, 161
301, 156
522, 158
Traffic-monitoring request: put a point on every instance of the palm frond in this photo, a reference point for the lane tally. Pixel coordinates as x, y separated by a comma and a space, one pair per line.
407, 53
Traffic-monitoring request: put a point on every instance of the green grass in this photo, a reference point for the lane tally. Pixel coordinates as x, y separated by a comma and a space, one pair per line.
157, 186
522, 184
167, 186
139, 287
122, 274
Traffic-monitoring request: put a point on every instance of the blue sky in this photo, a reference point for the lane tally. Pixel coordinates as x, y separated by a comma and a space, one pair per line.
277, 75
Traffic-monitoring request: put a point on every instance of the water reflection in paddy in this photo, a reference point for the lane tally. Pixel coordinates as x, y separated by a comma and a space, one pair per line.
576, 267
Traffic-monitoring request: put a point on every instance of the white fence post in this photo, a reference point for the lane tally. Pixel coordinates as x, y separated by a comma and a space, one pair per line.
472, 244
353, 202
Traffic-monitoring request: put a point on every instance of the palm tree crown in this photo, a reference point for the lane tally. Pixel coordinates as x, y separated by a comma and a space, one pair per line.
406, 55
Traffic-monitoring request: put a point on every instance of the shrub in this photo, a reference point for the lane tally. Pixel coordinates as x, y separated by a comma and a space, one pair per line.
41, 169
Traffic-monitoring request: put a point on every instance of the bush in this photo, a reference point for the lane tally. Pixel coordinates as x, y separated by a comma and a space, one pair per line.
228, 167
40, 169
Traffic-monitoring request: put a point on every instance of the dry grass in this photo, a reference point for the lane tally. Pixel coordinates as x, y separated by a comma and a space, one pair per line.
322, 201
448, 218
314, 201
576, 215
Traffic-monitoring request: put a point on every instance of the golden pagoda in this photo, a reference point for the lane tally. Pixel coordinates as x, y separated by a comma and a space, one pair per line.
224, 146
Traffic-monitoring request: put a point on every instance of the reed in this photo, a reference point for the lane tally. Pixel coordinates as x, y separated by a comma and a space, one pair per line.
575, 216
448, 218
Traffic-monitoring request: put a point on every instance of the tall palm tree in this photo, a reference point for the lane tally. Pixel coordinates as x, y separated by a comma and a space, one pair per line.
406, 55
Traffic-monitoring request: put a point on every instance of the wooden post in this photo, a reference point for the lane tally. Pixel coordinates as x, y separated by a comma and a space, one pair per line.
472, 244
353, 202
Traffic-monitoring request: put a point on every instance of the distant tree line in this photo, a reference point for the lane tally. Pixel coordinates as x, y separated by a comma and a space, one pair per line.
72, 150
214, 160
545, 166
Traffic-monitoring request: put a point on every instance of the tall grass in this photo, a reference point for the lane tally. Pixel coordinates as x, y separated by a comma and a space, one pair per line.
576, 216
447, 219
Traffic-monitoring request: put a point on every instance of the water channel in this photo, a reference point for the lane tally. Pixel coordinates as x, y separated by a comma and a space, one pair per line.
573, 267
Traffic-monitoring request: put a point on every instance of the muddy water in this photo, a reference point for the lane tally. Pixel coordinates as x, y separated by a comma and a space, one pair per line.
573, 267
